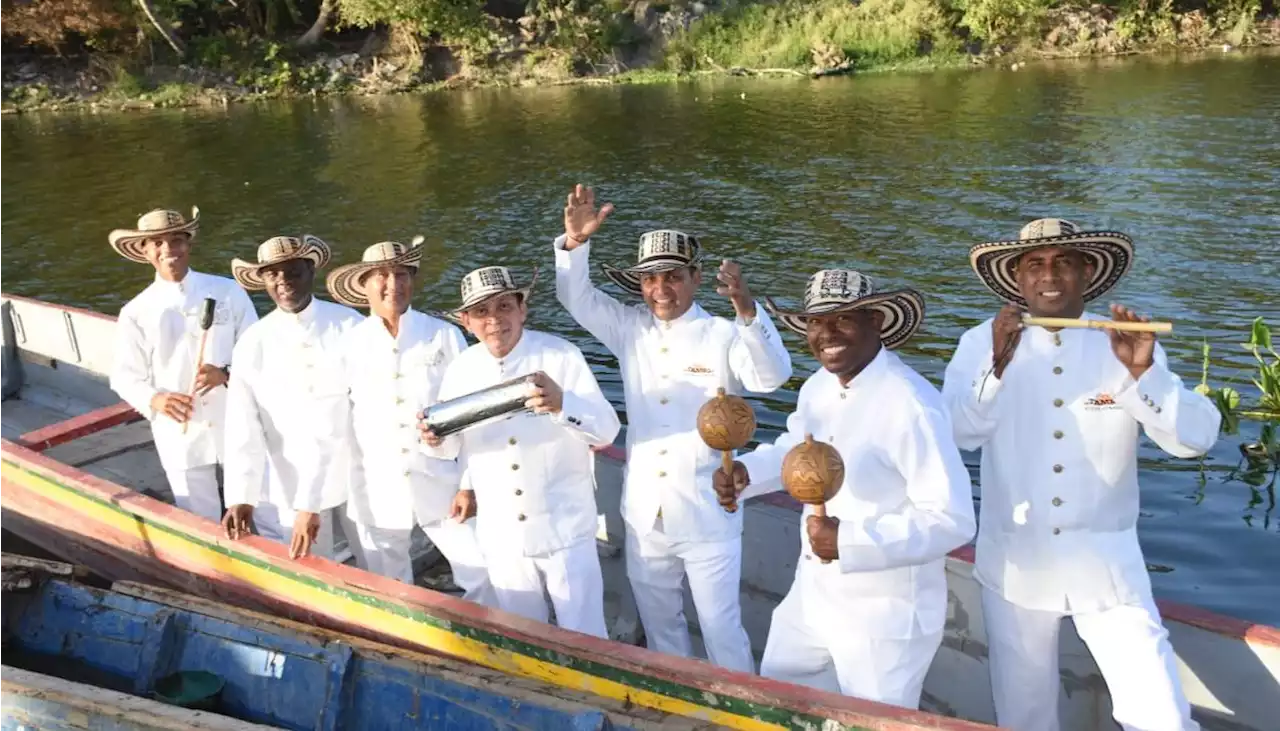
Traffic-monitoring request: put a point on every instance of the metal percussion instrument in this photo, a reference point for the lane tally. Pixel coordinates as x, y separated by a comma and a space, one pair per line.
502, 401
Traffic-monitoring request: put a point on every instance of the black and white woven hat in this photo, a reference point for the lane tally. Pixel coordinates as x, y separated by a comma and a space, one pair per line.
837, 290
1110, 251
276, 250
483, 284
660, 251
346, 283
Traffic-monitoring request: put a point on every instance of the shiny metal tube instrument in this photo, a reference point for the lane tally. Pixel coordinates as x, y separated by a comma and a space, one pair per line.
504, 400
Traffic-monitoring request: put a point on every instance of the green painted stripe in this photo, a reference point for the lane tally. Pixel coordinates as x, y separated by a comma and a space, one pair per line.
696, 696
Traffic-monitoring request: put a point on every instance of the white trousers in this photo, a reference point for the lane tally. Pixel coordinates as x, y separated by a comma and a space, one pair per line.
385, 551
571, 576
657, 567
846, 660
1128, 642
276, 523
195, 490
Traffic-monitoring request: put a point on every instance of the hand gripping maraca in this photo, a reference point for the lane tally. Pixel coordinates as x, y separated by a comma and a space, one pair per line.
812, 473
726, 423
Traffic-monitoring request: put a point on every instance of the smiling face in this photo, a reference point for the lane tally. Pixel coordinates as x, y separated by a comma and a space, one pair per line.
669, 294
389, 291
289, 283
1052, 280
845, 342
169, 254
498, 322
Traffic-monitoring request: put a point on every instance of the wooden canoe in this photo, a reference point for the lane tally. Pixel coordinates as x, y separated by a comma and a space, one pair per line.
78, 467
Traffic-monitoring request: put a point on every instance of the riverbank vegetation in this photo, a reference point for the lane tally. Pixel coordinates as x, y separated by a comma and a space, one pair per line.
174, 52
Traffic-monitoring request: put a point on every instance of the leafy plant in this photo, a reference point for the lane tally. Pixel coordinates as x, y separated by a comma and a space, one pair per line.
1260, 459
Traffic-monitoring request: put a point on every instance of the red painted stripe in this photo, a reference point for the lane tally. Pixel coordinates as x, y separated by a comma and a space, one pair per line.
684, 671
80, 426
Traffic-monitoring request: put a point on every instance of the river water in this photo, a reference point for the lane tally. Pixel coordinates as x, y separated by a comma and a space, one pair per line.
895, 175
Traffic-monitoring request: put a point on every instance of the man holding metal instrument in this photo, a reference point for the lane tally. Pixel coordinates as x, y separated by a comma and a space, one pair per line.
170, 364
288, 415
1055, 405
394, 361
533, 471
674, 356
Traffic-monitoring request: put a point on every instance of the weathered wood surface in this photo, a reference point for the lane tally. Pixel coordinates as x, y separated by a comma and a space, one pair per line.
35, 701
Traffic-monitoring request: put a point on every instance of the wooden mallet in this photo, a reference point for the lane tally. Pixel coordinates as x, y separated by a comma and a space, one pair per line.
206, 322
812, 473
726, 423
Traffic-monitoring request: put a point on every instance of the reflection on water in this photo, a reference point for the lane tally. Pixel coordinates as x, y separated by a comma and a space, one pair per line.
893, 175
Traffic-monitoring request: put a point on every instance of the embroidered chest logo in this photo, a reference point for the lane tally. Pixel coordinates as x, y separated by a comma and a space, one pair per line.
699, 370
1101, 402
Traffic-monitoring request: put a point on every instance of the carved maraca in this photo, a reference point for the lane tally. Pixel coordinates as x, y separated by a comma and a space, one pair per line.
812, 473
726, 423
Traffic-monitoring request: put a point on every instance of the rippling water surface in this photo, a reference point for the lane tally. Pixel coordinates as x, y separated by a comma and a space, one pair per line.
895, 175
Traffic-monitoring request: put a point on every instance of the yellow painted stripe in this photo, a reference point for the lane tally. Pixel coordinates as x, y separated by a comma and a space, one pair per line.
425, 635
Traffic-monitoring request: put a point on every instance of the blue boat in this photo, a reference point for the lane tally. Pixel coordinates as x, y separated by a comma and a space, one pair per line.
141, 657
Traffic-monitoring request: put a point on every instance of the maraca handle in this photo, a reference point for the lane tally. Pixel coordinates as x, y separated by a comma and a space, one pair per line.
726, 462
820, 510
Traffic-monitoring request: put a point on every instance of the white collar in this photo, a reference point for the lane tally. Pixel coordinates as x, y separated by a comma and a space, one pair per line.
695, 312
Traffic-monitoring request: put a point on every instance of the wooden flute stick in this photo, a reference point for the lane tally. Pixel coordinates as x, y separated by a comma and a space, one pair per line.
1148, 327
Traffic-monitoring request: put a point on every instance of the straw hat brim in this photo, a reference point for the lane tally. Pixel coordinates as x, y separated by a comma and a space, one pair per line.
1110, 251
903, 313
128, 242
344, 283
629, 278
249, 275
456, 314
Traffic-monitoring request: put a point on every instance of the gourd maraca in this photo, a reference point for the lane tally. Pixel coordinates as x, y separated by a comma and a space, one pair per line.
812, 473
726, 423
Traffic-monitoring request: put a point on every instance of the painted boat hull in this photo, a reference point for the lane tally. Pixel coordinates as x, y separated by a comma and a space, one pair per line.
269, 671
1230, 668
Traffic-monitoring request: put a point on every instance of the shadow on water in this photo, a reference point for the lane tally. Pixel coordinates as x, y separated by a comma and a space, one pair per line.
896, 175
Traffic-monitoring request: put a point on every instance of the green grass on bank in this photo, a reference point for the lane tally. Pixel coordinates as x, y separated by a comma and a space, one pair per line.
790, 34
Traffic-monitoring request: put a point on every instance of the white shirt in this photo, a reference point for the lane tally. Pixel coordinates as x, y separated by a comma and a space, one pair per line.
669, 370
392, 381
905, 502
533, 474
288, 415
157, 339
1059, 471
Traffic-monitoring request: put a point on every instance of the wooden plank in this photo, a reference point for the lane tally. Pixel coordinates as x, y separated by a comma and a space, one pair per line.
120, 439
79, 426
22, 416
45, 702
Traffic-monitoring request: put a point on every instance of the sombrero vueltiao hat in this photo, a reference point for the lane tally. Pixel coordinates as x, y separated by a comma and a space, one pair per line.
483, 284
837, 290
277, 250
660, 251
1110, 251
346, 283
160, 222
